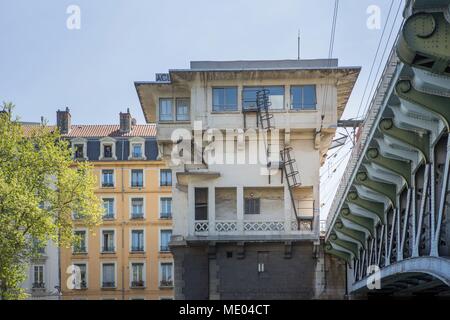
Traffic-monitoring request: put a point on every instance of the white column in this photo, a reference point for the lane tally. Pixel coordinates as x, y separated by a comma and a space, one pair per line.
240, 208
191, 209
287, 209
212, 210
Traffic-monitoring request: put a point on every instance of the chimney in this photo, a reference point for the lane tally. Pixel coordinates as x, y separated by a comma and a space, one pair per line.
125, 122
63, 121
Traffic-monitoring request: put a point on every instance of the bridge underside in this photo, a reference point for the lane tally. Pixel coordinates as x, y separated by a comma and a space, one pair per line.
390, 218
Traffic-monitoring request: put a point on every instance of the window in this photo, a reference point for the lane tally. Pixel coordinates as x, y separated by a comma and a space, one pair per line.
303, 97
107, 151
108, 205
136, 149
137, 208
182, 109
38, 246
201, 203
166, 275
80, 279
276, 97
80, 242
225, 99
108, 275
165, 177
137, 240
166, 208
79, 151
137, 178
137, 275
165, 110
107, 178
38, 277
108, 241
252, 206
165, 239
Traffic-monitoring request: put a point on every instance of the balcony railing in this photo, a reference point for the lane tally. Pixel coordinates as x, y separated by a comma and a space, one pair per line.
139, 215
137, 284
108, 249
79, 250
109, 216
137, 249
166, 283
107, 184
165, 248
38, 285
108, 284
166, 215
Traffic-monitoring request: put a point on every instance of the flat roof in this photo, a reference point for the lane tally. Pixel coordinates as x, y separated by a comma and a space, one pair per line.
262, 64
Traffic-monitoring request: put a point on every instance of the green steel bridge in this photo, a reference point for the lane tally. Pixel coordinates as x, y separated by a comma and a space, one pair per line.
390, 219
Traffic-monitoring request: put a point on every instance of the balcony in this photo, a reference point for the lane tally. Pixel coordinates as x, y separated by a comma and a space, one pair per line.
80, 250
108, 284
137, 284
109, 216
38, 285
166, 284
107, 184
108, 249
137, 249
137, 216
164, 248
165, 215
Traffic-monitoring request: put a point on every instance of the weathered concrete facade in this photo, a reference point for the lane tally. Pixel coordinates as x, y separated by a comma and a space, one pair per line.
245, 211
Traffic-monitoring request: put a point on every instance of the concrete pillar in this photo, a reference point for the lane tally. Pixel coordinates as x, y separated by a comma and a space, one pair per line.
191, 209
212, 210
240, 208
287, 209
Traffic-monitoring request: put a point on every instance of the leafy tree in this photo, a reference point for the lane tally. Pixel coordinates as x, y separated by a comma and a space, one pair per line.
40, 188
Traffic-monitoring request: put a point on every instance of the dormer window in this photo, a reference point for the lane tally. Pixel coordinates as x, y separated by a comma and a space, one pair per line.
79, 149
108, 149
137, 149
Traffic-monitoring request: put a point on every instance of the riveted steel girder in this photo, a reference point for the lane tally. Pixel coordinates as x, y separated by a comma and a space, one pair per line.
374, 207
381, 174
424, 40
350, 234
401, 168
386, 189
358, 223
371, 195
344, 245
340, 254
417, 141
439, 105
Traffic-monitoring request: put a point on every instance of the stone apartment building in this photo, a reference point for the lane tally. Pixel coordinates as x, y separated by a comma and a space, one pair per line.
245, 141
127, 256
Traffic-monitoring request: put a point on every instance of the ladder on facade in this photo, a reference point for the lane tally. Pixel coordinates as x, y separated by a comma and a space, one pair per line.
262, 108
292, 177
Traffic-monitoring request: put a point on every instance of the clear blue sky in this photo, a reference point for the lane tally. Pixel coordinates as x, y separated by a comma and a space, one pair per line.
44, 66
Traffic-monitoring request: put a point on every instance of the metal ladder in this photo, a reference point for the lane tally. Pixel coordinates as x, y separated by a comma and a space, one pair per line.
292, 177
262, 107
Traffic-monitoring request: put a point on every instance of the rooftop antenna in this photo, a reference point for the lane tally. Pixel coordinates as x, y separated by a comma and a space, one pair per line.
298, 45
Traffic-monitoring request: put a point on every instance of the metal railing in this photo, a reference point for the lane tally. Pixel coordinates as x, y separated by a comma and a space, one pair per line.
367, 129
108, 284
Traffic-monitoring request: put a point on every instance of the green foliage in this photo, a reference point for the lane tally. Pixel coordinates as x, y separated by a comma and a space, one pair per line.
40, 188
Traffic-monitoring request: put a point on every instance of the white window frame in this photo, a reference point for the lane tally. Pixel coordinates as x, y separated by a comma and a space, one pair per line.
115, 274
131, 239
101, 178
137, 140
74, 262
43, 273
143, 178
144, 273
160, 197
160, 230
107, 141
160, 271
82, 141
188, 109
159, 177
85, 240
114, 206
172, 109
130, 207
101, 240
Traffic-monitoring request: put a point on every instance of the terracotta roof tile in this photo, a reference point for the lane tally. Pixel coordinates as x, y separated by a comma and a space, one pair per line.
98, 131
